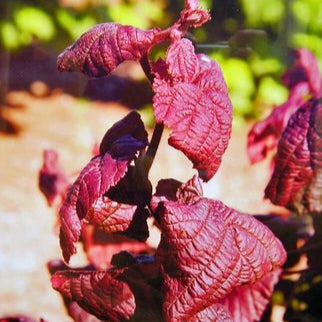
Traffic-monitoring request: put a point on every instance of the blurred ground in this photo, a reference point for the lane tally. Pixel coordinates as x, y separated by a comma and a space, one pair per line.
72, 126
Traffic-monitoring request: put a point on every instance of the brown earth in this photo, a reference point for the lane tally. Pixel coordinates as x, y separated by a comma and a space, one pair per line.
72, 126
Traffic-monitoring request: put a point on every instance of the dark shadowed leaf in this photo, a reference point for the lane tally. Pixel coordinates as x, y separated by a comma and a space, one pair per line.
193, 101
246, 303
101, 49
53, 181
208, 249
145, 280
101, 173
296, 180
125, 137
98, 292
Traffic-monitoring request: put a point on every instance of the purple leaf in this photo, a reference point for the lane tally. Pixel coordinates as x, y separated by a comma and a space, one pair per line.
247, 303
101, 49
296, 180
101, 173
125, 137
193, 101
208, 249
98, 292
53, 181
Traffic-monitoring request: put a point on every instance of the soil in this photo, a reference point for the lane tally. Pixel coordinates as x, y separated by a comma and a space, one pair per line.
71, 126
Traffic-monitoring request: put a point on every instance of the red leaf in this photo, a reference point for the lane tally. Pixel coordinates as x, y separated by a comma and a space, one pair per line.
207, 250
53, 181
295, 181
101, 173
247, 303
215, 312
110, 215
101, 49
193, 100
98, 292
74, 310
96, 178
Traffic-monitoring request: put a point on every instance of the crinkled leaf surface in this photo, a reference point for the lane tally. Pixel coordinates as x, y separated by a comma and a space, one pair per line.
101, 173
208, 249
246, 303
98, 292
53, 181
111, 216
192, 100
296, 181
101, 49
74, 310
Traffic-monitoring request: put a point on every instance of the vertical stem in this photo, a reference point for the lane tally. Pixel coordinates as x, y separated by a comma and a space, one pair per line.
148, 158
153, 146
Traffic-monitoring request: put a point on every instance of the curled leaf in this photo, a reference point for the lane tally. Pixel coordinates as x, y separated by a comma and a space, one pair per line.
53, 181
101, 49
125, 137
101, 173
192, 100
208, 249
296, 180
98, 292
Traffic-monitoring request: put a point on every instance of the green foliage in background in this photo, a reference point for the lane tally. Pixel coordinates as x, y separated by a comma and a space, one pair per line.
58, 23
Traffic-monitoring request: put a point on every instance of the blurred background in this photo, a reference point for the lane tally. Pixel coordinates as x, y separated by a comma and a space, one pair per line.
41, 108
